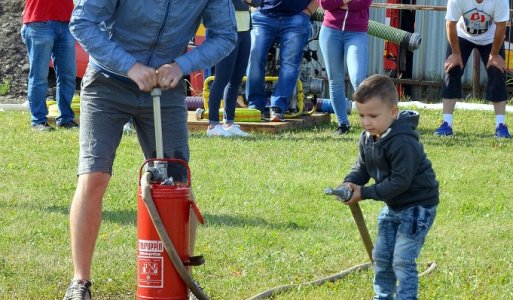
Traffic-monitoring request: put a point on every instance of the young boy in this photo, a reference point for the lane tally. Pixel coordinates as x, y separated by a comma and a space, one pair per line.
391, 154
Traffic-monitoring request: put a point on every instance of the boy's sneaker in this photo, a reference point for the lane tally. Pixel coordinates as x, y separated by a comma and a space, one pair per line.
234, 130
342, 129
42, 127
444, 130
78, 290
502, 131
218, 130
69, 125
276, 115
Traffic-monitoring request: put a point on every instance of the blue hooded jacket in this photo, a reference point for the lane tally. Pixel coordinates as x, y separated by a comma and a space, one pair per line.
118, 33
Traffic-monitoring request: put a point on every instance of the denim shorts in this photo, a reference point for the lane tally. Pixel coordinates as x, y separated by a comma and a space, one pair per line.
107, 104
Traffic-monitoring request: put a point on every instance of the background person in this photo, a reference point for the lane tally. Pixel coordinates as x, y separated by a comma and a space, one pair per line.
481, 25
343, 39
228, 75
46, 35
134, 46
288, 23
390, 153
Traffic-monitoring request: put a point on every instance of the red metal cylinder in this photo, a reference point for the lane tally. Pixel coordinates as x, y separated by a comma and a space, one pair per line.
156, 275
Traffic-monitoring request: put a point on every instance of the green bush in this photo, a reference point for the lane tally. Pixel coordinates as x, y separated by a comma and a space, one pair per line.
5, 86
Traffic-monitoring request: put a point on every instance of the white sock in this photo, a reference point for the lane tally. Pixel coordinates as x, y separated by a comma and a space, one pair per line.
500, 119
447, 118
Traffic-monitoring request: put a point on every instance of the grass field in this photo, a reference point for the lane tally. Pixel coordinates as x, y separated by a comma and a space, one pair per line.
267, 220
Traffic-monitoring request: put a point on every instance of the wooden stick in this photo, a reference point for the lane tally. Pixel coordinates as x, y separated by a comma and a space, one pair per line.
356, 211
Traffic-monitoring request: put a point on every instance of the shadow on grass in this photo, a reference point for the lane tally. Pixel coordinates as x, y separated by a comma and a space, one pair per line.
459, 139
239, 221
129, 217
291, 135
124, 217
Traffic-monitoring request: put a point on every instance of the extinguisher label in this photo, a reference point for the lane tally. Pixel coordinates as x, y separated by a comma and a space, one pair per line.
150, 246
150, 271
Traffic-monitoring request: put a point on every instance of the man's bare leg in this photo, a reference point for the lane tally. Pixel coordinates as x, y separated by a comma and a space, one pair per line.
85, 219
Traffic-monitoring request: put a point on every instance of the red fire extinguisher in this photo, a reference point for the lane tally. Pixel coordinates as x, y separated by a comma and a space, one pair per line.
164, 212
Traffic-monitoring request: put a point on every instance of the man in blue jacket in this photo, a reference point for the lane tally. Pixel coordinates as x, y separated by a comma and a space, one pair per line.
134, 46
286, 22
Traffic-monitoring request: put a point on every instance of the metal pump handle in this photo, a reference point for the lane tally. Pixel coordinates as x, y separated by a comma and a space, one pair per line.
157, 119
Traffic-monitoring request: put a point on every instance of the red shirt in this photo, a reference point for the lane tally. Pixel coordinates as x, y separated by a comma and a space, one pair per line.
47, 10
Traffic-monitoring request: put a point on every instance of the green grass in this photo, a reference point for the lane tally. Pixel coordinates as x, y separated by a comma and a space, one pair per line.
5, 86
267, 220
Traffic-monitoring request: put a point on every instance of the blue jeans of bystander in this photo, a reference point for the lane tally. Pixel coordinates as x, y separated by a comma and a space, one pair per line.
339, 47
45, 41
291, 33
401, 235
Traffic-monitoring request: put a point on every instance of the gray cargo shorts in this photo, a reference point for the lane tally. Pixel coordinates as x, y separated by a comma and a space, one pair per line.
107, 104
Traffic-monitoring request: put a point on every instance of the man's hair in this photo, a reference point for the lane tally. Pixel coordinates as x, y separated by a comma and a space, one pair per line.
377, 86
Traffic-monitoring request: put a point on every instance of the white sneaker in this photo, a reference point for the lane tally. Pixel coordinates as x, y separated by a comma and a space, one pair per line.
218, 130
234, 130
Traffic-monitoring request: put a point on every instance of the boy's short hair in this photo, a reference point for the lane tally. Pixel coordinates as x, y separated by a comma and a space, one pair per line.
377, 85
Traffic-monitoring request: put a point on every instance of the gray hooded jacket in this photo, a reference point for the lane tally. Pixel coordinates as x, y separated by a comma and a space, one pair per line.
398, 164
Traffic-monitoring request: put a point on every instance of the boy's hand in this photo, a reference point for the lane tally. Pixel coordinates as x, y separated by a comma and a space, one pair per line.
357, 192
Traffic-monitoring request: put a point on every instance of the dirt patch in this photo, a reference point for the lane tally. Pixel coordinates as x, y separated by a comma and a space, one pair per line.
13, 54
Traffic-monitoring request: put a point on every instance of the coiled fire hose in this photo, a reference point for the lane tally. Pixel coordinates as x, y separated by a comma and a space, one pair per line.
410, 41
281, 289
356, 211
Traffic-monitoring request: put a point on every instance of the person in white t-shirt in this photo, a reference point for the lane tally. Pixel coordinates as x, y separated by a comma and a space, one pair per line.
481, 25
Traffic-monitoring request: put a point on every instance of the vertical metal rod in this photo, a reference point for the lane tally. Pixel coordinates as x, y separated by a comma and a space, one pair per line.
157, 119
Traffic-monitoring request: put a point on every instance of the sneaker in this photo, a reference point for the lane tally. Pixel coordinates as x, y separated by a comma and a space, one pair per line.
69, 125
218, 130
42, 127
502, 131
276, 115
444, 130
342, 129
234, 130
78, 290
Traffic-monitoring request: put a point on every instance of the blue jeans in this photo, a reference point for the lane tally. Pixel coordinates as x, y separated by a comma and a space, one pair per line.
229, 73
339, 47
401, 235
45, 41
291, 33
